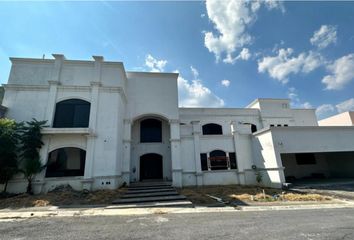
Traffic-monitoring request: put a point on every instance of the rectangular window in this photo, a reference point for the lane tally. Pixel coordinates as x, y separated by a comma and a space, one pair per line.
305, 158
233, 162
285, 125
204, 161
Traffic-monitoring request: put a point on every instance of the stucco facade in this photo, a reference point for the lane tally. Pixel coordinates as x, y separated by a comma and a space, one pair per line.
115, 146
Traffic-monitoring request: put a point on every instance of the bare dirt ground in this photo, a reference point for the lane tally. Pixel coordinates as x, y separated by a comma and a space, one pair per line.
206, 195
248, 195
63, 195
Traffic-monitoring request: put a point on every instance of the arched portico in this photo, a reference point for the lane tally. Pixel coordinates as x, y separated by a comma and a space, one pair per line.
150, 149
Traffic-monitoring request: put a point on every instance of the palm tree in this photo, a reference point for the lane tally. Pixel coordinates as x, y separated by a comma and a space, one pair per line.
31, 140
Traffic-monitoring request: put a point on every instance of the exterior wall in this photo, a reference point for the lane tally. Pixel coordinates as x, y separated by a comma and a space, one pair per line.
235, 138
34, 88
120, 100
342, 119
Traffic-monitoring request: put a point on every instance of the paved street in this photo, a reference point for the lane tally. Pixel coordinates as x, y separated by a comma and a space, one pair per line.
299, 224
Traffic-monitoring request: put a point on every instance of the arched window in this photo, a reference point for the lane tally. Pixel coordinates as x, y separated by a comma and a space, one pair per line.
150, 130
72, 113
212, 129
218, 160
65, 162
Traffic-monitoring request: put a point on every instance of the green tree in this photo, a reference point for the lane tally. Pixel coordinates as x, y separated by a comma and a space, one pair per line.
31, 142
9, 139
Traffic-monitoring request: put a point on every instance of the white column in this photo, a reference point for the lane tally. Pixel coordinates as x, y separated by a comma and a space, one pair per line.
176, 153
53, 87
90, 149
126, 150
196, 141
52, 98
240, 165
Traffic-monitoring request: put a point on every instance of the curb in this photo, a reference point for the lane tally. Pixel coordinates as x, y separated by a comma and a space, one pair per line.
109, 211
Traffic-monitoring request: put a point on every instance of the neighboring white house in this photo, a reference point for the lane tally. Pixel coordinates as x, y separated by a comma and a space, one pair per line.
341, 119
108, 126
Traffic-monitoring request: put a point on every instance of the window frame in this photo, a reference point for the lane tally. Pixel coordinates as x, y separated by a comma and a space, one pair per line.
209, 159
65, 172
218, 130
145, 139
68, 118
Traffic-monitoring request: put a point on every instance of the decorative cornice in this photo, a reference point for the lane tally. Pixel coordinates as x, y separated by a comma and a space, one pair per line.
74, 88
95, 84
53, 82
19, 87
174, 121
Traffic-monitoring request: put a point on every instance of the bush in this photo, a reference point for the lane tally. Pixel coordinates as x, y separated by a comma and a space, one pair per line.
9, 140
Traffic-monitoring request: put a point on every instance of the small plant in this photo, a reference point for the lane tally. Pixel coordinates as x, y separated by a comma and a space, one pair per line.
258, 173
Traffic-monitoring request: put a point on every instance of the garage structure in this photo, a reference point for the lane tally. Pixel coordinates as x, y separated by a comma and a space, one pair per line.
317, 165
306, 153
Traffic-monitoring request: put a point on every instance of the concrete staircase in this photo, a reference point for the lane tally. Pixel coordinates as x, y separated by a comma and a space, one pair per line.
151, 194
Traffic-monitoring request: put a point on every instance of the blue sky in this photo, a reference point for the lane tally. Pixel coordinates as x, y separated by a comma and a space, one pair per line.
227, 53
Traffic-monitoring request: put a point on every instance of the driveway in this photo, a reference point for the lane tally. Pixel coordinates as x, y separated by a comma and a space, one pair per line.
336, 187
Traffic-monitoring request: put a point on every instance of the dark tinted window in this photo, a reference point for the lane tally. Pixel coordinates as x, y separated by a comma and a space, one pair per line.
65, 162
72, 113
305, 158
204, 161
233, 162
218, 160
212, 129
150, 130
253, 128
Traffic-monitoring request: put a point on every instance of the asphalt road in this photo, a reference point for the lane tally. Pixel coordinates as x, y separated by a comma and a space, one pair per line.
293, 224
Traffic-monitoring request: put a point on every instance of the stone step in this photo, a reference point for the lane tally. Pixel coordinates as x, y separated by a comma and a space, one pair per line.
178, 203
147, 187
150, 194
149, 199
131, 191
149, 184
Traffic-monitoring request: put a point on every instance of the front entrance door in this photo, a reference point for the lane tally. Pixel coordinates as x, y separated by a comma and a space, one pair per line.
151, 166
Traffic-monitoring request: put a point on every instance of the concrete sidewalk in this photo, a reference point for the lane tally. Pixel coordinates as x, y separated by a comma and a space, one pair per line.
54, 211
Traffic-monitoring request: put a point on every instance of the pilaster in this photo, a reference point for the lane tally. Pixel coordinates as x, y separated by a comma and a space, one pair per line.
176, 153
196, 141
126, 150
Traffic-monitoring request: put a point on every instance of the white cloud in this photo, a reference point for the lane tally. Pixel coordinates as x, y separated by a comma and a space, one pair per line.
231, 20
195, 94
282, 65
155, 65
225, 82
342, 72
325, 110
243, 55
324, 36
194, 72
295, 99
345, 106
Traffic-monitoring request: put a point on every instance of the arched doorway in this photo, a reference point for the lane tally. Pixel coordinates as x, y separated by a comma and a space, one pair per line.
151, 166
